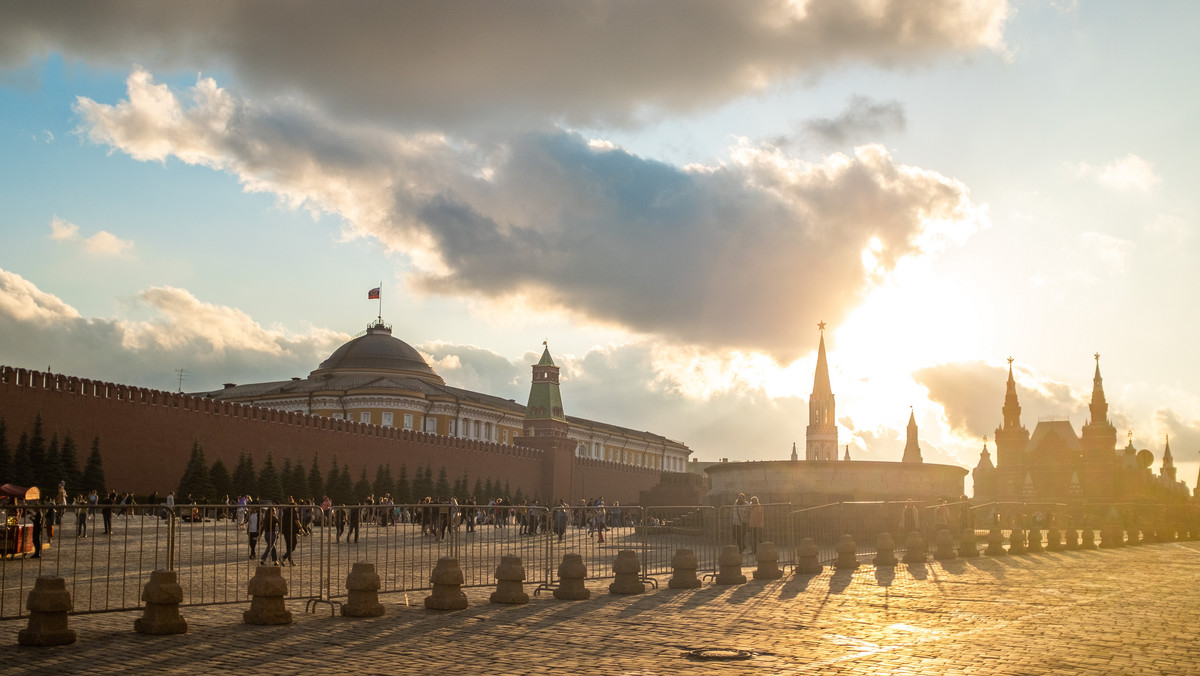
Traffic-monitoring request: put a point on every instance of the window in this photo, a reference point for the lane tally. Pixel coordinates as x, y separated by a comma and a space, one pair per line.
365, 417
387, 418
431, 425
408, 421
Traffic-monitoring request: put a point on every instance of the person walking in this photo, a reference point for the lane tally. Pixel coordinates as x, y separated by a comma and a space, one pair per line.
270, 531
291, 528
80, 517
355, 517
36, 517
755, 521
106, 511
253, 521
737, 519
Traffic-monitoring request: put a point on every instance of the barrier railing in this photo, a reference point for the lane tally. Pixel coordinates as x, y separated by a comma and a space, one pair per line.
106, 561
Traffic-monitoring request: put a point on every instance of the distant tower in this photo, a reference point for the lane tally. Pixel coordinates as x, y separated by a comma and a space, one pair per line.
794, 456
847, 457
912, 450
822, 441
544, 415
1098, 442
1011, 441
984, 475
1168, 466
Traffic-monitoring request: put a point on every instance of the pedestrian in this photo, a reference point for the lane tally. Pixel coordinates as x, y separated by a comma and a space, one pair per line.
36, 518
106, 511
755, 521
80, 516
355, 517
253, 521
560, 519
738, 522
339, 521
270, 531
910, 519
290, 527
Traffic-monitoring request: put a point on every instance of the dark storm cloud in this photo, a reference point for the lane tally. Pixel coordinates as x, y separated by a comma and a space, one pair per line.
439, 64
863, 119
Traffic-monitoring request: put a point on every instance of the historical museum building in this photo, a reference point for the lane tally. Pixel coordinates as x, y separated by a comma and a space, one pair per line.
1054, 464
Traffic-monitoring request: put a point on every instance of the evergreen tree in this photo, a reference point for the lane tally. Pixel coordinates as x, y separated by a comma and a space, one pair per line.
222, 483
460, 488
37, 455
402, 494
422, 487
5, 455
52, 469
383, 481
245, 480
70, 467
195, 485
93, 470
315, 483
427, 481
506, 491
519, 497
362, 488
285, 478
299, 483
489, 490
478, 492
269, 484
22, 470
332, 483
345, 488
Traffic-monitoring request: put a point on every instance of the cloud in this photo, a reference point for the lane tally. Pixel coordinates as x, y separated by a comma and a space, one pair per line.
707, 254
452, 65
102, 243
212, 341
1127, 174
863, 119
1113, 252
972, 394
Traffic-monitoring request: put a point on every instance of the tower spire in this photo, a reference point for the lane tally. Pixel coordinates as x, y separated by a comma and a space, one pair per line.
912, 449
821, 442
1099, 406
1012, 408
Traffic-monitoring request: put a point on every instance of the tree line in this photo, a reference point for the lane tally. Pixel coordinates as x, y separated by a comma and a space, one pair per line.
36, 462
212, 484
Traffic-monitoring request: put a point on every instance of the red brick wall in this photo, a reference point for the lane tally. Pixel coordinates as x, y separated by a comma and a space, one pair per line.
146, 438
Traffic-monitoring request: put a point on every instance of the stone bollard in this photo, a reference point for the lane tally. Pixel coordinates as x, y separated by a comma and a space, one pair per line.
767, 558
625, 569
48, 605
943, 549
162, 595
447, 580
362, 588
1054, 541
729, 565
1111, 536
267, 589
806, 558
683, 569
1034, 545
885, 550
1016, 541
1071, 538
1088, 539
571, 573
847, 553
914, 548
967, 546
509, 576
995, 541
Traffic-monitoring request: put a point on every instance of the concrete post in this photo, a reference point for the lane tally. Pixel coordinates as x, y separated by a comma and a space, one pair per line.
1054, 541
162, 595
571, 573
995, 541
729, 565
267, 589
885, 550
683, 570
1016, 541
944, 546
914, 548
509, 576
1034, 545
847, 553
968, 548
362, 589
767, 559
1088, 539
626, 568
806, 558
447, 580
48, 604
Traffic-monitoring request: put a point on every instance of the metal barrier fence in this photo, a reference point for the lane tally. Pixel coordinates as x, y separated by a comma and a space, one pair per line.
106, 560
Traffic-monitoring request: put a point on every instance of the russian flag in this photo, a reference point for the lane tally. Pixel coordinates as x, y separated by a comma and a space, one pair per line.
373, 294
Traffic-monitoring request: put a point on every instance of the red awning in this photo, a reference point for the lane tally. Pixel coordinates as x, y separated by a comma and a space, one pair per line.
19, 492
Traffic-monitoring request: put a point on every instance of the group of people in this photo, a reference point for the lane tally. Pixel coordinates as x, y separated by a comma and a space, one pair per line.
748, 519
271, 523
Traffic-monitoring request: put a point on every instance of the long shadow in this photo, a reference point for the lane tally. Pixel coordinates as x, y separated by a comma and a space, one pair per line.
885, 575
840, 580
919, 571
795, 585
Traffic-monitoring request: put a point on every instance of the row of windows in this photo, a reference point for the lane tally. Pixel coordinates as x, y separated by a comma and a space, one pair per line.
599, 452
469, 429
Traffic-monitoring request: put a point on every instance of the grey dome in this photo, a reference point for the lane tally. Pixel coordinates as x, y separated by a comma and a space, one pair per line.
378, 352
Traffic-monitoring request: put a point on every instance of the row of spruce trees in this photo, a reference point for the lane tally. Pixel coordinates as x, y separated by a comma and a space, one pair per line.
36, 462
212, 484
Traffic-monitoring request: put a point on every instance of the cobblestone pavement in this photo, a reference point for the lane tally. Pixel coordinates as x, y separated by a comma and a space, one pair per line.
1126, 611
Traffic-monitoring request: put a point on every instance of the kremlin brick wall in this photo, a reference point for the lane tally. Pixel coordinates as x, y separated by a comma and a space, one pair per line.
146, 438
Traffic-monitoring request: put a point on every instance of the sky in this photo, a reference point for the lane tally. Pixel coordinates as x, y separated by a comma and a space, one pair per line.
671, 193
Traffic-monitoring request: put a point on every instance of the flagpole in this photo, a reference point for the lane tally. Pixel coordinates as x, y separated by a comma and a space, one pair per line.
380, 317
